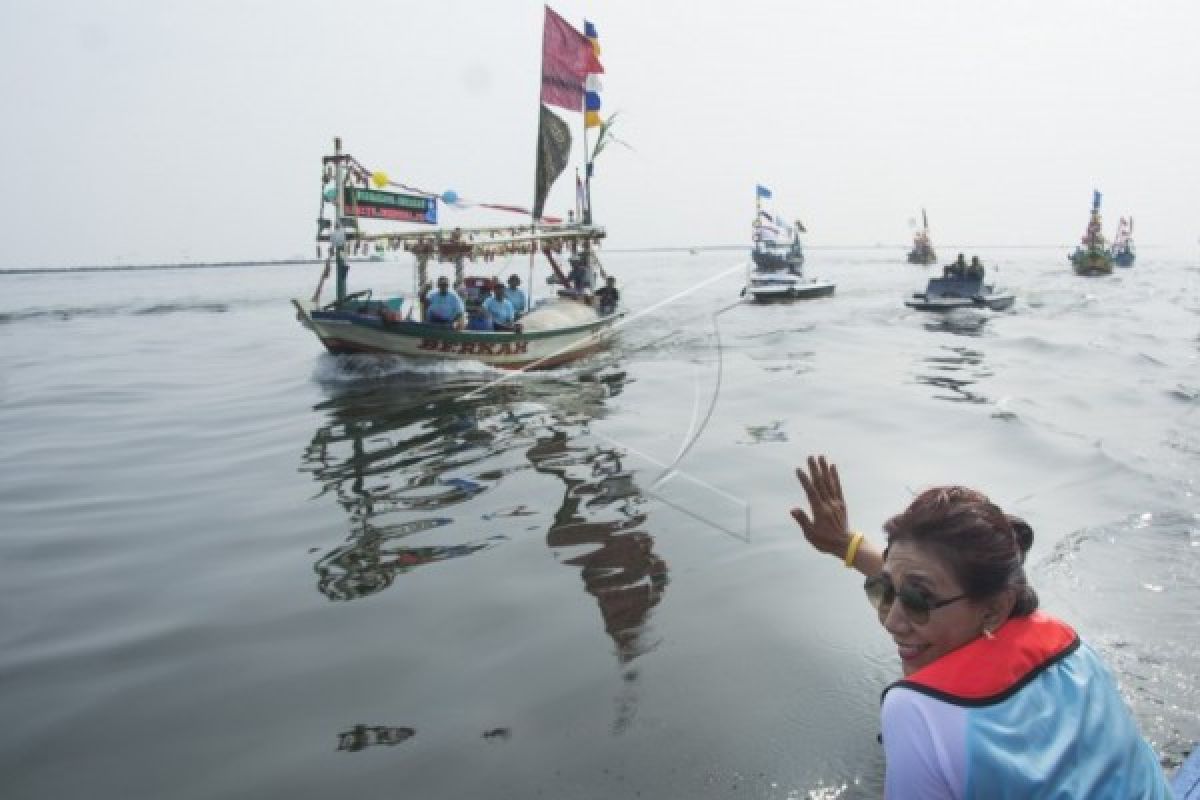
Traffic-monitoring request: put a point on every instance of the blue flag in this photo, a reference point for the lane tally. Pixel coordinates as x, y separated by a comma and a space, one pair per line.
1095, 200
762, 191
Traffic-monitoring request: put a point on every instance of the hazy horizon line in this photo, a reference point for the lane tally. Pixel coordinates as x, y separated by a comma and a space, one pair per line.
274, 262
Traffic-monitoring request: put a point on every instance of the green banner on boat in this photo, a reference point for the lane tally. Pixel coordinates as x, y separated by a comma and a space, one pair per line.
376, 204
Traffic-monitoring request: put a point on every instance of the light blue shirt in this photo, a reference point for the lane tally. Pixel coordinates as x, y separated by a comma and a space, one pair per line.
501, 311
517, 298
448, 306
1066, 733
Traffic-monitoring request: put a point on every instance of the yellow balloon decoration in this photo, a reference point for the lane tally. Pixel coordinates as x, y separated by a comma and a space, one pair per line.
380, 179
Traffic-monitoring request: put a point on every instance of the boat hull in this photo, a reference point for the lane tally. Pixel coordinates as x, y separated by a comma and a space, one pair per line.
994, 302
1088, 262
952, 292
922, 257
1123, 259
784, 292
344, 332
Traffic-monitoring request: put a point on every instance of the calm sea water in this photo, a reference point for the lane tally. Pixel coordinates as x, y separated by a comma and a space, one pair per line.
234, 566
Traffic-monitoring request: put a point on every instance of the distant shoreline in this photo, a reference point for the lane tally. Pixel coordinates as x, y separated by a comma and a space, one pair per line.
151, 267
283, 262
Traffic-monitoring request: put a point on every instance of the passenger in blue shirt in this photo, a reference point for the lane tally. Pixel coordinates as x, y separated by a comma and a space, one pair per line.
500, 309
516, 296
444, 306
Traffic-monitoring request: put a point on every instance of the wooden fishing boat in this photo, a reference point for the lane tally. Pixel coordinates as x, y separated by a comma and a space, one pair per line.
922, 251
1092, 256
1123, 252
559, 329
569, 324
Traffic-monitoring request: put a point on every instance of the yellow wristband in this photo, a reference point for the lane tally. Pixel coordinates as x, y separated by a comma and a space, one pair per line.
852, 550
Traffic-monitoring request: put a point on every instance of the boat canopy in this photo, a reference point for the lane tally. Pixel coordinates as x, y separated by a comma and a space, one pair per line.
452, 244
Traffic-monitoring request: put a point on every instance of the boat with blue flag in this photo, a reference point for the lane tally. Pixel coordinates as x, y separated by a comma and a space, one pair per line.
962, 285
777, 257
1092, 256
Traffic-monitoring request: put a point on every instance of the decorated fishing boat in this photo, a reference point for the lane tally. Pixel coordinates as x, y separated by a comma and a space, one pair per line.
472, 315
961, 286
922, 251
1092, 256
1123, 253
777, 273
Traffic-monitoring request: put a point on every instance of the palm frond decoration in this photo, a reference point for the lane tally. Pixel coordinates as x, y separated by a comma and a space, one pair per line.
606, 135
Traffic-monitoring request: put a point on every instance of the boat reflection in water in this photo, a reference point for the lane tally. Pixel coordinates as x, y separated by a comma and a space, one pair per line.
383, 459
957, 370
620, 569
960, 323
401, 453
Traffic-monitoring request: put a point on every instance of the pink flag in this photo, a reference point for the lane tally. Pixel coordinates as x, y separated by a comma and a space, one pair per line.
567, 58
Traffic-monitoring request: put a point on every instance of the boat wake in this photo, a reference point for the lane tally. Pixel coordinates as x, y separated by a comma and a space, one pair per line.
72, 312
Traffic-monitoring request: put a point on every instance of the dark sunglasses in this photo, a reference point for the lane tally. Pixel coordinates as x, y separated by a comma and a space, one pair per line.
882, 593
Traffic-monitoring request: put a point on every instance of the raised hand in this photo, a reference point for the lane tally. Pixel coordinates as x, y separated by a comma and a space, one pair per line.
826, 528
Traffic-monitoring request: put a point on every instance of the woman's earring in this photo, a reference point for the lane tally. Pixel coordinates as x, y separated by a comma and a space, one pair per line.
987, 633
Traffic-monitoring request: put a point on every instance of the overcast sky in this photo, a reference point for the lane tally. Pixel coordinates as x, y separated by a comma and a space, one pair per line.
163, 130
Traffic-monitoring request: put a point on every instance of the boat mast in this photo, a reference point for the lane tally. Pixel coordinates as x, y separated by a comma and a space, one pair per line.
587, 173
338, 237
757, 216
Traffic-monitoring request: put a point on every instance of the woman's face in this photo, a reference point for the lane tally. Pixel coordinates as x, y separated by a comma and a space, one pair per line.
948, 628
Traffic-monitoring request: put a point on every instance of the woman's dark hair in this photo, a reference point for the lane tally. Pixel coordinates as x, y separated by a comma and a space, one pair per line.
983, 547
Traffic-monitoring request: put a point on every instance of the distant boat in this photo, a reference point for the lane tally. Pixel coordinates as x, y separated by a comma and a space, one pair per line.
778, 257
961, 286
1091, 256
922, 252
1123, 253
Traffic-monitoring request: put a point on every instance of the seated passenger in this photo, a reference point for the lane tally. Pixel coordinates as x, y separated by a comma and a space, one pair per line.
499, 309
956, 270
516, 296
479, 320
607, 296
976, 268
444, 306
580, 278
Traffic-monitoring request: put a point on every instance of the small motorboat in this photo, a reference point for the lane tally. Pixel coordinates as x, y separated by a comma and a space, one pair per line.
959, 288
767, 286
778, 255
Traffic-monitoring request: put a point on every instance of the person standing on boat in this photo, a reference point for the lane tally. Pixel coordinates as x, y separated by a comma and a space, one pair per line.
499, 309
444, 306
516, 296
608, 296
998, 698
